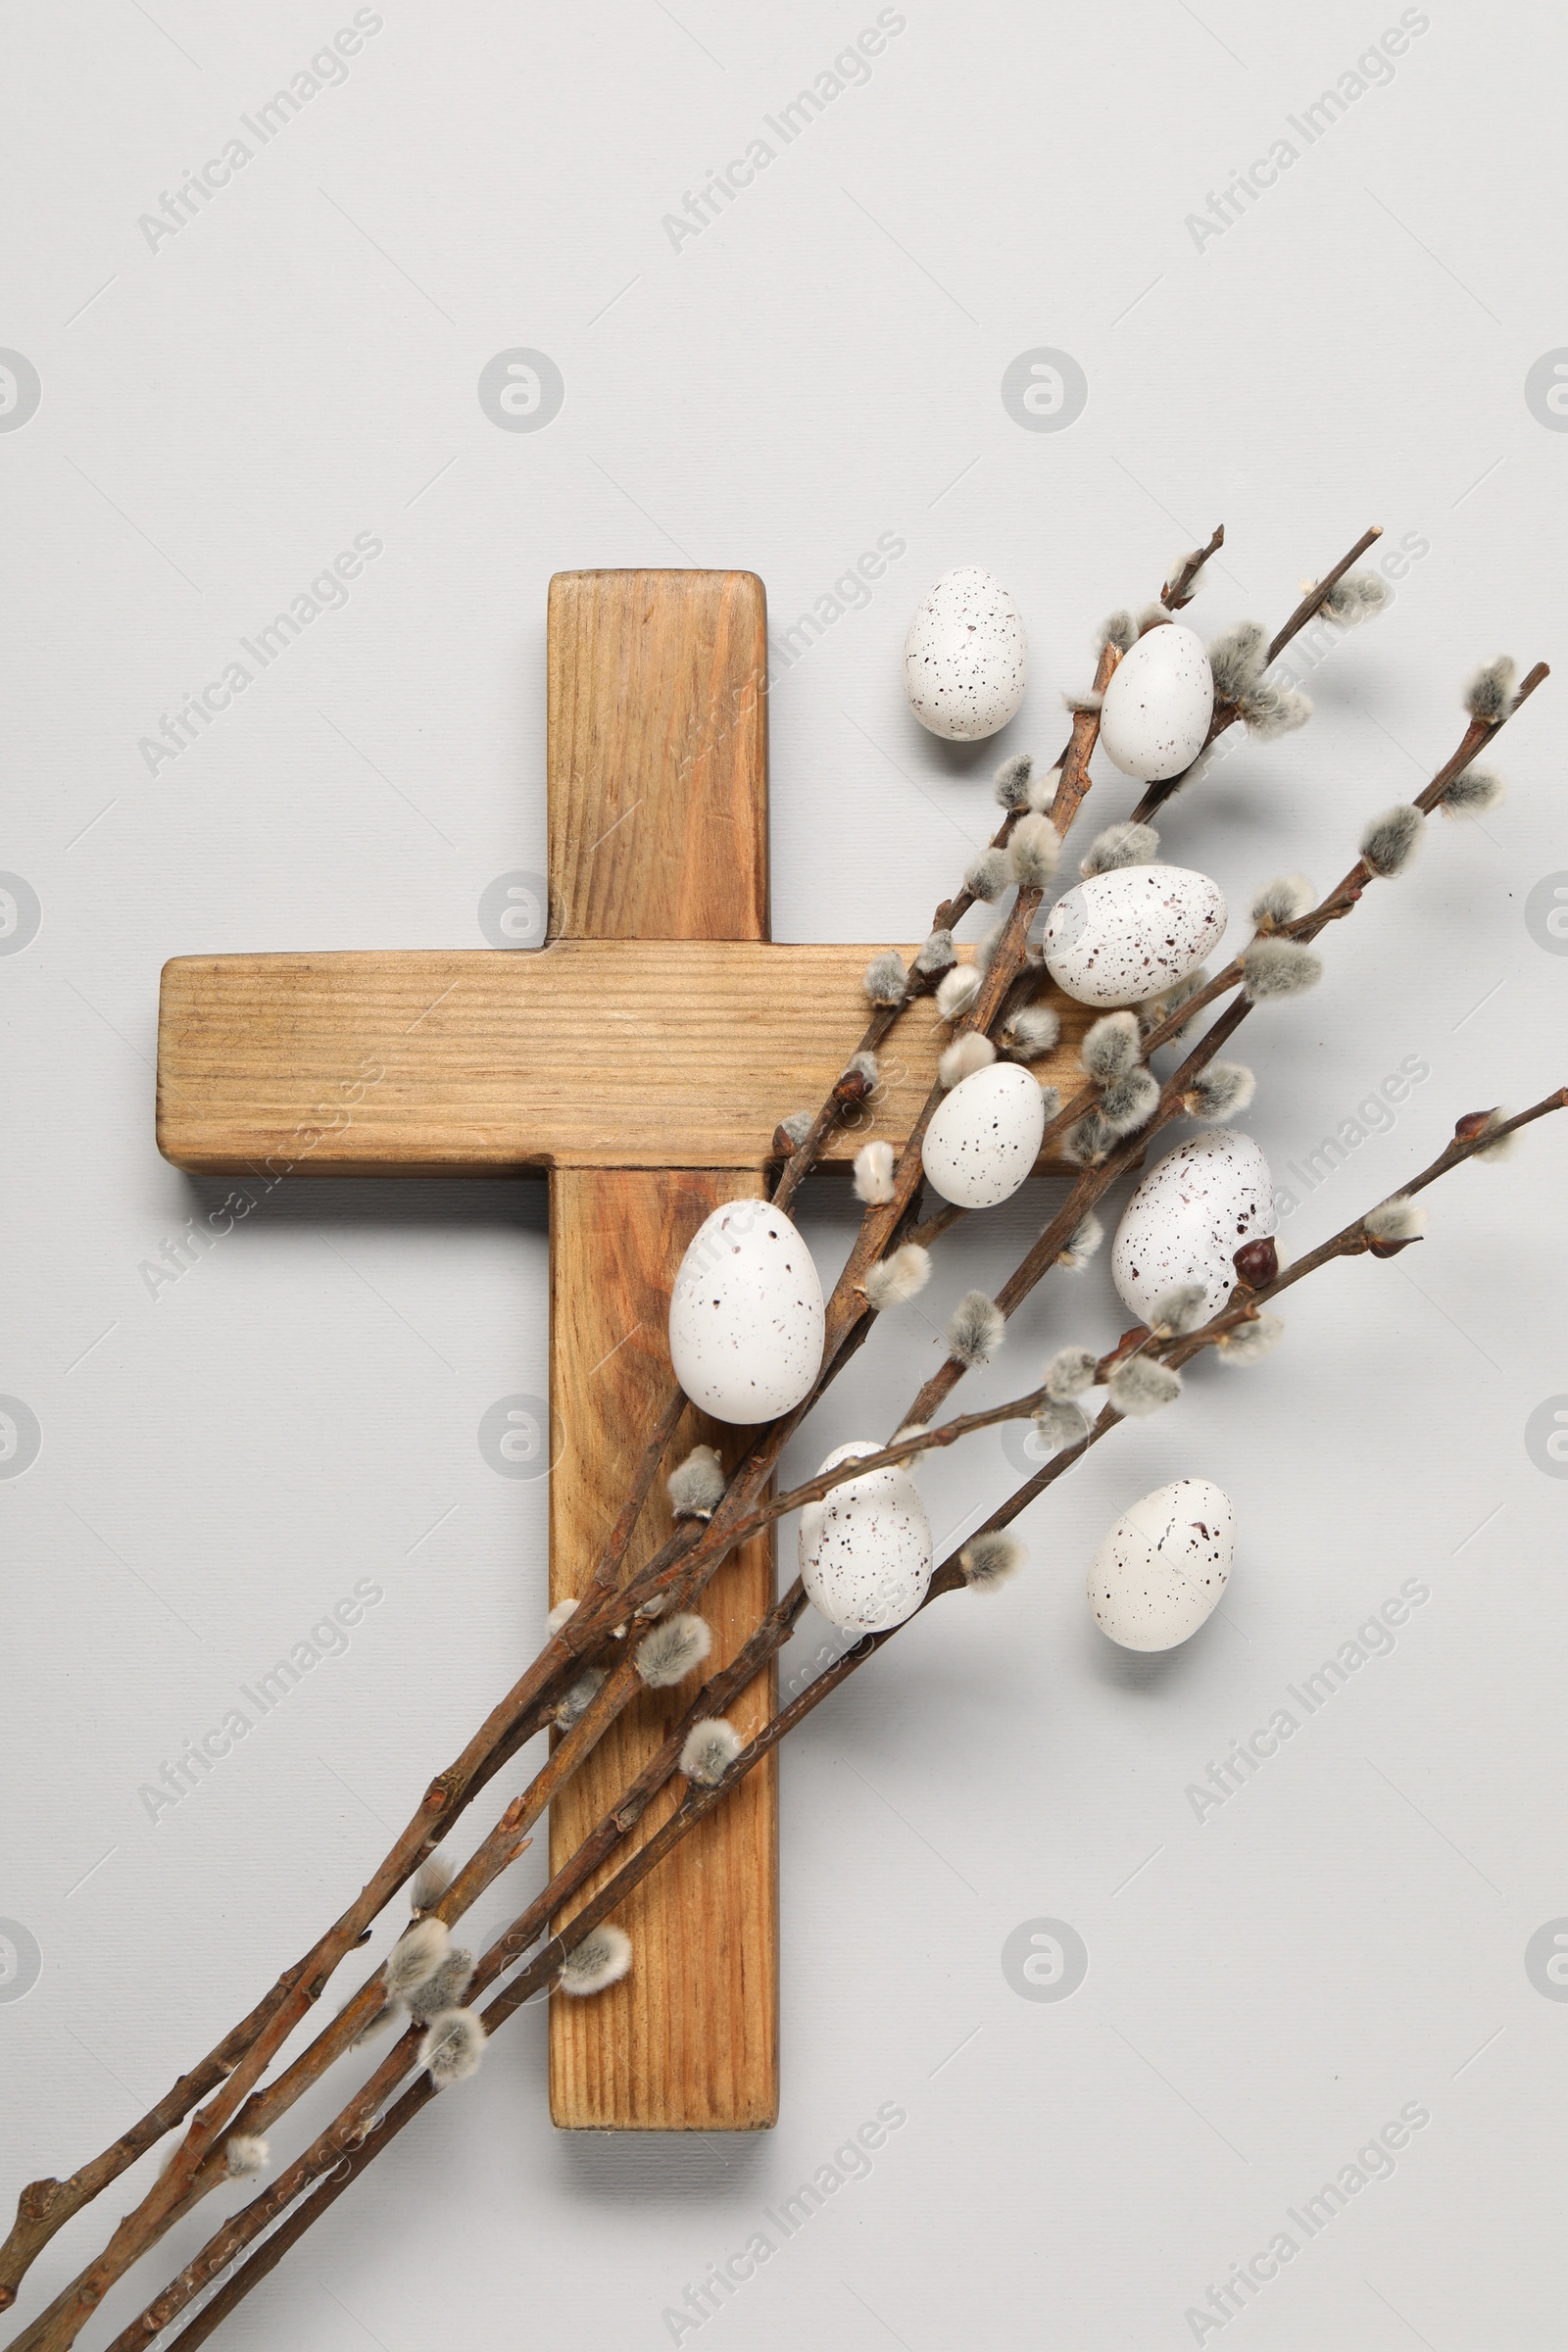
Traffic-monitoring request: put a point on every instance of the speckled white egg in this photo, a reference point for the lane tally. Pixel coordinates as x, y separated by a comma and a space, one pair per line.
746, 1314
1154, 718
865, 1549
1123, 936
1162, 1568
1188, 1217
965, 662
984, 1137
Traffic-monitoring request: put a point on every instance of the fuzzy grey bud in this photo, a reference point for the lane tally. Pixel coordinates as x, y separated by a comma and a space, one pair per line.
1060, 1426
1199, 562
886, 981
695, 1486
1269, 710
1358, 597
1120, 846
988, 875
1089, 1141
1181, 1310
1142, 1385
1012, 784
939, 954
873, 1173
1279, 967
1399, 1219
989, 1561
1504, 1148
898, 1278
579, 1699
1110, 1046
1221, 1092
1129, 1101
957, 991
858, 1077
1156, 1011
416, 1956
1069, 1373
1390, 841
245, 2155
971, 1052
447, 1990
975, 1330
1488, 696
603, 1958
797, 1127
675, 1648
1237, 660
1032, 1031
453, 2046
1120, 630
1248, 1343
433, 1876
710, 1749
1284, 899
1083, 1242
1033, 851
1471, 793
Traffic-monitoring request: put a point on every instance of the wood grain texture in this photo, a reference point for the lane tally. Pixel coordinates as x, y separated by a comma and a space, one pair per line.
689, 2040
658, 756
588, 1054
657, 777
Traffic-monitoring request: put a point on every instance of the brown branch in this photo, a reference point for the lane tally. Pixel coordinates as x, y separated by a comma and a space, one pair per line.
1226, 714
1318, 594
351, 2142
1179, 590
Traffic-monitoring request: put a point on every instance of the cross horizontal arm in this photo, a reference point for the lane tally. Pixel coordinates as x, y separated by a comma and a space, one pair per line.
586, 1054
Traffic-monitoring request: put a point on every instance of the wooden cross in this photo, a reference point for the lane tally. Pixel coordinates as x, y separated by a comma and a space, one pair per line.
641, 1059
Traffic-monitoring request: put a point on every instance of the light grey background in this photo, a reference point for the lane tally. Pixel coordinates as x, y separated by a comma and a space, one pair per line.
222, 410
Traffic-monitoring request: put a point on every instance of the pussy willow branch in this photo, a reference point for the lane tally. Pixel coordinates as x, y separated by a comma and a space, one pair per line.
1179, 590
354, 2139
1225, 714
1345, 894
1094, 1183
46, 2205
234, 2067
57, 2327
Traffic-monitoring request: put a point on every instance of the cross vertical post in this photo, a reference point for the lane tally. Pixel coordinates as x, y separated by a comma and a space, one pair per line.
657, 771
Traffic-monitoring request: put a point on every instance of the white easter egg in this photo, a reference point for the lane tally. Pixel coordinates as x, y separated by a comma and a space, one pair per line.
1154, 718
865, 1549
1188, 1218
1127, 935
746, 1314
963, 659
1162, 1568
984, 1137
